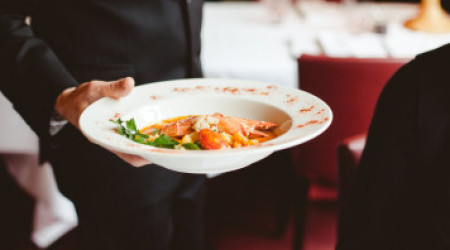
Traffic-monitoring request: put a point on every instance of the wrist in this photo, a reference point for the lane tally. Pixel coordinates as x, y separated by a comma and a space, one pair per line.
59, 106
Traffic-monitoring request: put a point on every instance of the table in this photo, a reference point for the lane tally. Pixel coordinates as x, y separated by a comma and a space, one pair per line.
237, 42
240, 41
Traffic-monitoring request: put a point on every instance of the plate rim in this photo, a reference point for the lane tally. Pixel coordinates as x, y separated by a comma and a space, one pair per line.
155, 151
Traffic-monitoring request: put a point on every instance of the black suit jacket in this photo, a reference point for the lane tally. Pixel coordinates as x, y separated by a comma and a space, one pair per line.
73, 41
401, 197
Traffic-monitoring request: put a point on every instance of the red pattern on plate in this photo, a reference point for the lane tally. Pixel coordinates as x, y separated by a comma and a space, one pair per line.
291, 99
155, 97
320, 111
231, 90
116, 115
312, 122
167, 151
305, 110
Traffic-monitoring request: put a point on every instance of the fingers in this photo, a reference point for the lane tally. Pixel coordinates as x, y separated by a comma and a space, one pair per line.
119, 88
114, 89
134, 160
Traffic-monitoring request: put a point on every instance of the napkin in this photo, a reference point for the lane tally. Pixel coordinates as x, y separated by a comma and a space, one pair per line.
54, 214
404, 43
343, 44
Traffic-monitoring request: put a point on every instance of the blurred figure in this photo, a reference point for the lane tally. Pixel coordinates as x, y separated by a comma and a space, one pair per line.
71, 55
401, 196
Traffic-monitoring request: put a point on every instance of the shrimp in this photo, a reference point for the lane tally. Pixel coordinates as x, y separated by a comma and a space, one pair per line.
233, 125
228, 124
180, 127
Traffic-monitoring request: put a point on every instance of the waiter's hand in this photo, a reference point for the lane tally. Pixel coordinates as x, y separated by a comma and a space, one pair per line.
73, 101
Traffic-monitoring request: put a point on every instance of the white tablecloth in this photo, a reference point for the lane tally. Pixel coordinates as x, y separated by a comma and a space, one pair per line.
240, 41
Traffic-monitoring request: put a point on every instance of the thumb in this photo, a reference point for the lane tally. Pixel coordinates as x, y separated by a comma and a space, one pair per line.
117, 89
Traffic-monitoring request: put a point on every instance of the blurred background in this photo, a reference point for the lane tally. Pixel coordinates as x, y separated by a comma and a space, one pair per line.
342, 51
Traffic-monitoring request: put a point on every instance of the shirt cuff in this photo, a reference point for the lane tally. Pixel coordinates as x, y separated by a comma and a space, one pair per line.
56, 123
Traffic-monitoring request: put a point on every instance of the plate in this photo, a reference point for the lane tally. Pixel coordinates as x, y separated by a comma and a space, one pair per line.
302, 116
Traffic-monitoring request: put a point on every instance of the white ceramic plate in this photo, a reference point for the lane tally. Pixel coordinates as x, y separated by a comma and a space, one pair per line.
302, 115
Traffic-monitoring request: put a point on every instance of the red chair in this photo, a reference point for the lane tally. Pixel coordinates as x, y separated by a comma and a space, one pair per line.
351, 87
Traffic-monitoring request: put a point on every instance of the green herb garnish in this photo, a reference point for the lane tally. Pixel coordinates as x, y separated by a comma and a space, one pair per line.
140, 139
129, 130
163, 141
191, 146
131, 125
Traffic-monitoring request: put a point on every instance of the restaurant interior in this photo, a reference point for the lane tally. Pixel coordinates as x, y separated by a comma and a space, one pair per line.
342, 51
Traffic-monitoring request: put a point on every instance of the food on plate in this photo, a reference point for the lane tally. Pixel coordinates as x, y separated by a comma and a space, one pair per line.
195, 132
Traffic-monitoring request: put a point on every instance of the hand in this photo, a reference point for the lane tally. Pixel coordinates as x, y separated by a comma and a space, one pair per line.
73, 101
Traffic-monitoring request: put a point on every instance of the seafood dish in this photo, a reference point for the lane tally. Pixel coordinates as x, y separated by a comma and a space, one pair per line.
200, 132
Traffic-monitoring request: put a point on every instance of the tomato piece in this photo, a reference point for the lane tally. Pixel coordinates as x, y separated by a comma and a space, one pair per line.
211, 140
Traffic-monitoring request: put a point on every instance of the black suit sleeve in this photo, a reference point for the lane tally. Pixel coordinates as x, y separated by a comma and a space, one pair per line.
31, 74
